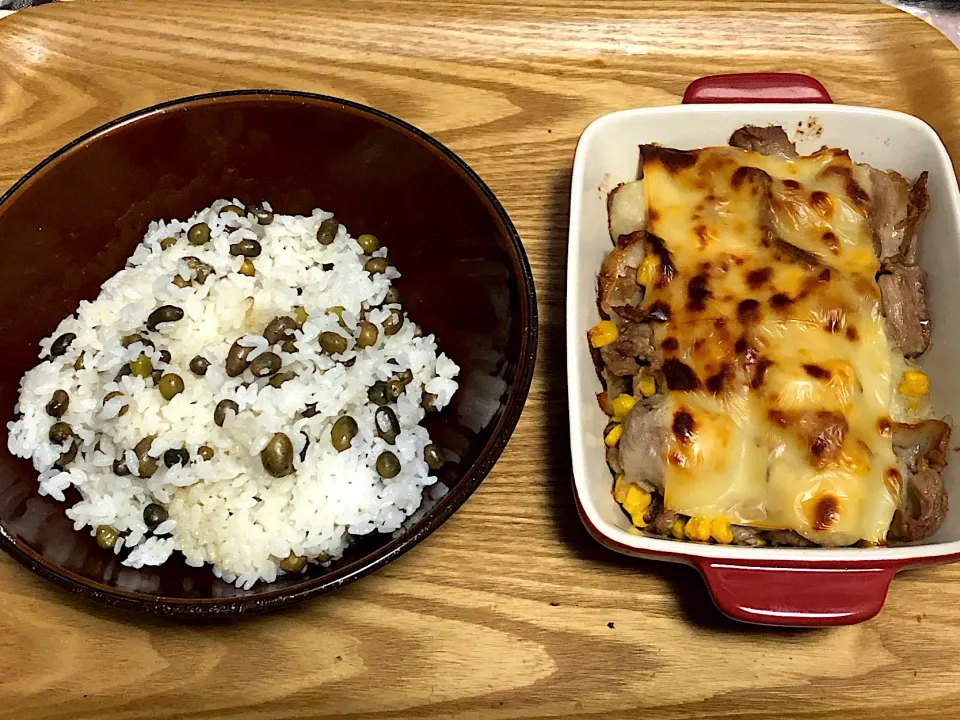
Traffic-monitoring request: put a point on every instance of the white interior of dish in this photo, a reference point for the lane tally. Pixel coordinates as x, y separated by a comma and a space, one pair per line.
607, 155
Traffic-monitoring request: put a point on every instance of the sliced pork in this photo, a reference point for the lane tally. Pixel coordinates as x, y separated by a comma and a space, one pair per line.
903, 297
764, 140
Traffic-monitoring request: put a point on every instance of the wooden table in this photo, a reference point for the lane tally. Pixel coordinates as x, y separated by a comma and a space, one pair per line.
510, 610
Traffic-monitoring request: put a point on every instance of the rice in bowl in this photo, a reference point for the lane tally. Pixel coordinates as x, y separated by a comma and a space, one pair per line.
308, 315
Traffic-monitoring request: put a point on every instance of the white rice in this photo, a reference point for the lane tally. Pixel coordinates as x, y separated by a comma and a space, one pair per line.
230, 512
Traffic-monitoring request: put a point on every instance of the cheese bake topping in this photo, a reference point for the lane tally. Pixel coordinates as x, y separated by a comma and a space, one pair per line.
774, 351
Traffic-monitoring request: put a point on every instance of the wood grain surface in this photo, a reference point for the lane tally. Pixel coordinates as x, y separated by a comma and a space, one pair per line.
510, 610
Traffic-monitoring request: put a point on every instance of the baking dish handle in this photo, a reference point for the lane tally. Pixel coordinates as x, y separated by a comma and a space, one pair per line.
796, 594
762, 87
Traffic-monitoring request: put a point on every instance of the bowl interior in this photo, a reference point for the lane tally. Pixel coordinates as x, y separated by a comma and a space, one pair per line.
72, 223
607, 155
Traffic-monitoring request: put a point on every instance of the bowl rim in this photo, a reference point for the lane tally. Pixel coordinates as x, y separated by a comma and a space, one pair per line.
270, 599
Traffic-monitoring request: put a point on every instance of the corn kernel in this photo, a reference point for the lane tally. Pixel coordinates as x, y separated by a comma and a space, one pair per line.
720, 530
603, 333
649, 271
914, 383
613, 437
697, 529
622, 405
648, 386
620, 489
637, 498
636, 503
677, 528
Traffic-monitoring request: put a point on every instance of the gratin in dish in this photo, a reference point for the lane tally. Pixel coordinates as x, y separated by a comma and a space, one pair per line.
761, 315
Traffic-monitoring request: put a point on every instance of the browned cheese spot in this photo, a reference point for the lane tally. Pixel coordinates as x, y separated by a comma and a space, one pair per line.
757, 278
670, 344
760, 373
841, 171
834, 322
893, 481
716, 382
683, 426
778, 418
857, 194
667, 268
852, 334
703, 235
822, 203
826, 513
679, 375
884, 426
659, 312
740, 346
817, 372
697, 293
832, 242
791, 184
745, 174
748, 311
780, 302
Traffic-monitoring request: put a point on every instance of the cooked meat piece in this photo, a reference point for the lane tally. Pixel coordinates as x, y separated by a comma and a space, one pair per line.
614, 385
662, 522
796, 254
626, 209
786, 538
917, 211
924, 508
924, 444
764, 140
903, 297
642, 443
618, 362
743, 535
618, 275
630, 313
634, 343
605, 402
762, 184
889, 205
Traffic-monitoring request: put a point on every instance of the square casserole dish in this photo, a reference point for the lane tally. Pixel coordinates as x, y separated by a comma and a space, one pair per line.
775, 586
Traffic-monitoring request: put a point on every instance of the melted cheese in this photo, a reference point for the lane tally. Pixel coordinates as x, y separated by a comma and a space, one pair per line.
776, 357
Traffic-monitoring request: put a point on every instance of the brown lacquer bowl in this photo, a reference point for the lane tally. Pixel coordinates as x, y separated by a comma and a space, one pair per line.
75, 218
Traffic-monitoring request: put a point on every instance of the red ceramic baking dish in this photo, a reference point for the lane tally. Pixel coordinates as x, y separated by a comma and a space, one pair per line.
72, 222
776, 586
